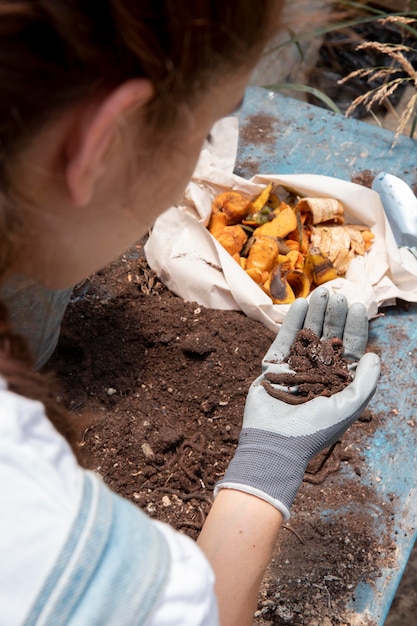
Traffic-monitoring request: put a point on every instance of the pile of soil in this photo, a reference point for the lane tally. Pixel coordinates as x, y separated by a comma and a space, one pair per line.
156, 388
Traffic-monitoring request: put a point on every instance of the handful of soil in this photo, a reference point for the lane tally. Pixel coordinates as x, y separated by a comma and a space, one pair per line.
319, 369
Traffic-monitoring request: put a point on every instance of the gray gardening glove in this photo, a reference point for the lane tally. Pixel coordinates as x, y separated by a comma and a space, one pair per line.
278, 440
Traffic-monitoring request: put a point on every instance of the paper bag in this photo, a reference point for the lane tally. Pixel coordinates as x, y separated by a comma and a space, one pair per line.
193, 265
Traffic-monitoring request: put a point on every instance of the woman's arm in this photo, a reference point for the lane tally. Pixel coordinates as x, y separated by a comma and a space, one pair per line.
276, 443
238, 539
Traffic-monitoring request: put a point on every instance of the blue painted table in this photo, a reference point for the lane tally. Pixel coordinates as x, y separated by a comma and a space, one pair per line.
286, 136
279, 135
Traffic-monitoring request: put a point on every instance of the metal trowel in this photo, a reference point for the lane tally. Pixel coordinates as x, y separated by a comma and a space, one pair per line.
400, 206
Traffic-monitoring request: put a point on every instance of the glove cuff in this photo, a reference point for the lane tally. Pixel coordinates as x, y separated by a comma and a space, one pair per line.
254, 492
267, 465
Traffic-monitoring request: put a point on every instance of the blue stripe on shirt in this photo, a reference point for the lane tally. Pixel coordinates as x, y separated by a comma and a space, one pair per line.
111, 569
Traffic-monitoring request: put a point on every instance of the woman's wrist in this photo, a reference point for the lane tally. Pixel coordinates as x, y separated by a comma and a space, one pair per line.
238, 539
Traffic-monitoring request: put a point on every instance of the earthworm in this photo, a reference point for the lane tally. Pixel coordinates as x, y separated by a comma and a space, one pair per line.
193, 477
284, 396
293, 379
331, 463
191, 496
194, 446
299, 378
342, 373
197, 496
193, 525
187, 496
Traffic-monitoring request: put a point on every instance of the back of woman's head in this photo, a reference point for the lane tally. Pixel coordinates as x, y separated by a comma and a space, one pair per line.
55, 52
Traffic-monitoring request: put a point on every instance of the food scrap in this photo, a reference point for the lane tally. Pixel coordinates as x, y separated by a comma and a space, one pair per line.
287, 247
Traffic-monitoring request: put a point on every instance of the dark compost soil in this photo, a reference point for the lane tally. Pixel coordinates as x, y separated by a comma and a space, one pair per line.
318, 368
156, 389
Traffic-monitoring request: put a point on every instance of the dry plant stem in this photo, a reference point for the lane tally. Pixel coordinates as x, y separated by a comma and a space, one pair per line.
293, 532
397, 54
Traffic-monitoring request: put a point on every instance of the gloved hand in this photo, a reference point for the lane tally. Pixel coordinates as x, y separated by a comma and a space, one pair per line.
278, 440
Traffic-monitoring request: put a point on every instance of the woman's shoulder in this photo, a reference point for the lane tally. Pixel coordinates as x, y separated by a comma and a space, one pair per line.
41, 489
59, 523
29, 440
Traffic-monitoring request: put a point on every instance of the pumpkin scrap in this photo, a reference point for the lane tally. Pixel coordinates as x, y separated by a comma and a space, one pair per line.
287, 248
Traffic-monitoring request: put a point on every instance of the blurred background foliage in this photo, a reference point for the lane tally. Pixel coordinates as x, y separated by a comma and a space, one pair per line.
357, 58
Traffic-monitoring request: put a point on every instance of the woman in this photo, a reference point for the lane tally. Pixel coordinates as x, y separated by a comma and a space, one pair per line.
104, 107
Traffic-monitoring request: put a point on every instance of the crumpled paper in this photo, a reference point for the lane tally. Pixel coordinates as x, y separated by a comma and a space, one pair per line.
193, 265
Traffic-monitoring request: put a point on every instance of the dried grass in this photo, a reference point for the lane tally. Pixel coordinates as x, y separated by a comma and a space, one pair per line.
397, 61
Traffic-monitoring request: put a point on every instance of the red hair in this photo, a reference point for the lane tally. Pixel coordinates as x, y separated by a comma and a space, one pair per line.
56, 52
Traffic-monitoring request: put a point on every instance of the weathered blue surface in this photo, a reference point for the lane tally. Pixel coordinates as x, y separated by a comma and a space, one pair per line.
392, 454
286, 136
283, 136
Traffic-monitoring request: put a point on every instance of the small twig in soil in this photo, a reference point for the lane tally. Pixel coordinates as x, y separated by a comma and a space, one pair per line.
82, 441
168, 479
293, 531
202, 515
324, 588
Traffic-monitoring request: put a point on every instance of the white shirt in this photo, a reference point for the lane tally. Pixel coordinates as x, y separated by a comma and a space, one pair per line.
40, 495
